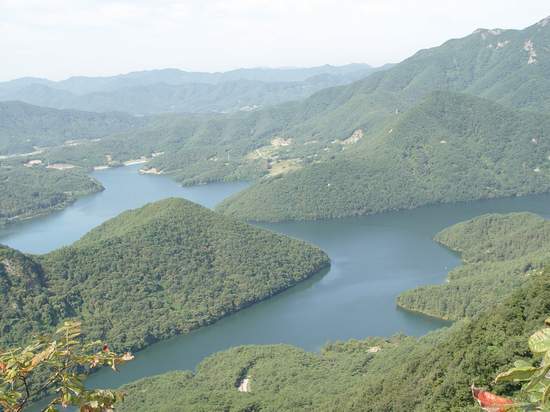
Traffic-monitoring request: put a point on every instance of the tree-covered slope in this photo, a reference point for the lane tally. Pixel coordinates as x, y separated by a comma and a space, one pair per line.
449, 147
508, 66
27, 304
164, 269
499, 253
432, 373
27, 192
23, 126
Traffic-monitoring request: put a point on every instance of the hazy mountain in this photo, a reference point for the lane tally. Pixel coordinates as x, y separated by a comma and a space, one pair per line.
172, 90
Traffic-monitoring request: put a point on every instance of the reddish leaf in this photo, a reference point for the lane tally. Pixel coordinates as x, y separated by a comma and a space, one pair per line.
490, 402
105, 348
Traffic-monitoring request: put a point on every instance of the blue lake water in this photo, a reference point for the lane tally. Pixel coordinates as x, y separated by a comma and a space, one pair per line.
374, 258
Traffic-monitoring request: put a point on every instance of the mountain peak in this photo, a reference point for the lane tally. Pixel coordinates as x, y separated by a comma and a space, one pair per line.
544, 22
488, 32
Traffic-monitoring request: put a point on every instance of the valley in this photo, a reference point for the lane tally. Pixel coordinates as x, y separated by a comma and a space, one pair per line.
354, 299
325, 238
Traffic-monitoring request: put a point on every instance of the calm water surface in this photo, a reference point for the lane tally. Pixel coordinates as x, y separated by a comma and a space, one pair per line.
125, 189
374, 258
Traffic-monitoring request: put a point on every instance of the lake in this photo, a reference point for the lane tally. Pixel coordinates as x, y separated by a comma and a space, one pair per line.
374, 258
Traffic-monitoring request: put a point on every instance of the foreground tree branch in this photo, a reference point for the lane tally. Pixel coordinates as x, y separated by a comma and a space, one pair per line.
61, 361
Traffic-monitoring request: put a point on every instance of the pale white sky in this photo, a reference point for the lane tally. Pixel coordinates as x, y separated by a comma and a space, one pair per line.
60, 38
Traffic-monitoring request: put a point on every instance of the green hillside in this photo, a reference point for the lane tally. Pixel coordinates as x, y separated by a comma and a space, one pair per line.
499, 253
510, 67
432, 373
27, 192
151, 273
23, 126
450, 147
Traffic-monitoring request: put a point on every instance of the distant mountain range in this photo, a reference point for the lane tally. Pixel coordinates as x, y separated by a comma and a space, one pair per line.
173, 90
464, 120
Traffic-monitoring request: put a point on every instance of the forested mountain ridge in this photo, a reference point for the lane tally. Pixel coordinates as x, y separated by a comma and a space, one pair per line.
151, 273
499, 254
176, 91
431, 373
503, 65
449, 147
24, 126
508, 66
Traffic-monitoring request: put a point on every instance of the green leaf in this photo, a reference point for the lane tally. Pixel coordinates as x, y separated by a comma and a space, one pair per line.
537, 379
522, 364
539, 342
517, 374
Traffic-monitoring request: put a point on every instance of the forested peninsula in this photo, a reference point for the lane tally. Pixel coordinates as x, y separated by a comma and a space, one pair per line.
148, 274
28, 192
499, 254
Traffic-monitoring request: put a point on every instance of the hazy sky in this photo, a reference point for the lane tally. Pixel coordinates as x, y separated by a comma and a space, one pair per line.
61, 38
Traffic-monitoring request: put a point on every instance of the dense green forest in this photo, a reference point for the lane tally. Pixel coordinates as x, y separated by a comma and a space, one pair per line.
499, 253
23, 127
148, 274
495, 64
32, 191
175, 91
450, 147
431, 373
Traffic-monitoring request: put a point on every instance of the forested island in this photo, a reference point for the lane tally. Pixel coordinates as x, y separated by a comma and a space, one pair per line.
148, 274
